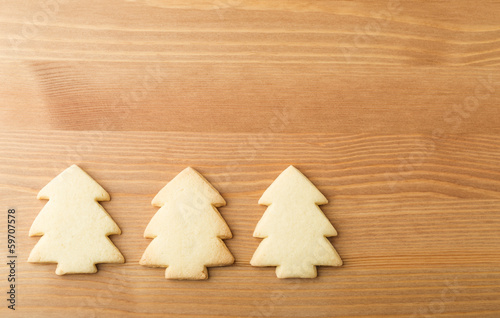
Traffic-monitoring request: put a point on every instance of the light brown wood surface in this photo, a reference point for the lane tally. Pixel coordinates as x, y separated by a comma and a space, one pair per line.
391, 108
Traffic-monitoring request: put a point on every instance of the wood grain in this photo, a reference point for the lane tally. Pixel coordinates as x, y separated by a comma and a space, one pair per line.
389, 107
147, 64
404, 244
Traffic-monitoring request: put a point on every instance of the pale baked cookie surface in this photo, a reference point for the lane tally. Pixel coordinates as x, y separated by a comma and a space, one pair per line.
187, 230
294, 228
73, 225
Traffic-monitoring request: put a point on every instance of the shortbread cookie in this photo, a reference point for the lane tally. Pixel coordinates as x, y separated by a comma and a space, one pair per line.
73, 225
187, 230
294, 228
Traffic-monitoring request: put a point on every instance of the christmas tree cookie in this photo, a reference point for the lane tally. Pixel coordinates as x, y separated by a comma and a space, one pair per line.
187, 230
73, 225
294, 228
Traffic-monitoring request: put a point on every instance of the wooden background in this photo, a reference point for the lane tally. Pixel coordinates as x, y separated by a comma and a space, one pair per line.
390, 107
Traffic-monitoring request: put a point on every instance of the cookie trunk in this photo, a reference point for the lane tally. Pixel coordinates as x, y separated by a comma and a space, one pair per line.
186, 272
294, 271
75, 268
